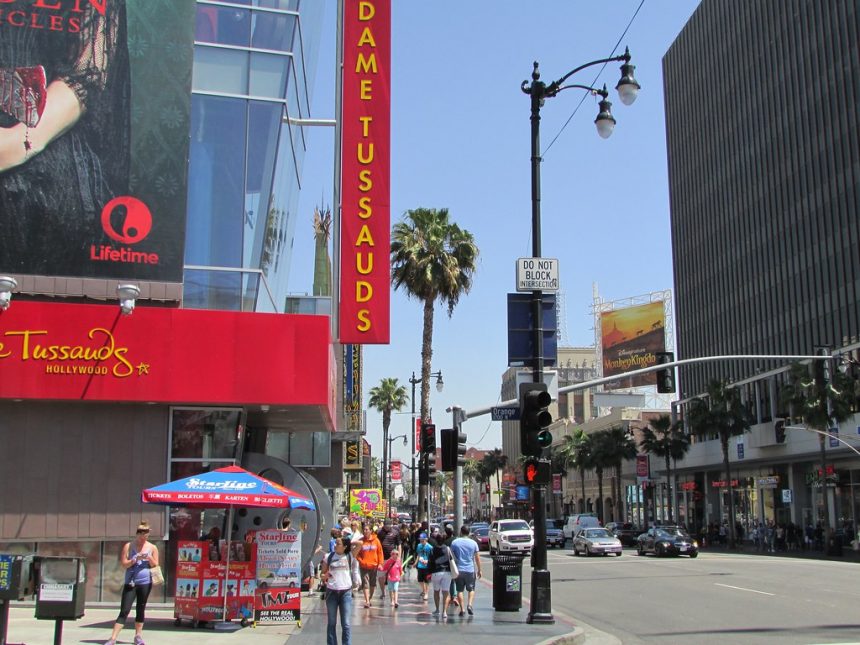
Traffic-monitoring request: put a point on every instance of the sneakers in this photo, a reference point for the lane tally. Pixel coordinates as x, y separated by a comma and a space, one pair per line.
110, 642
138, 641
396, 605
469, 609
435, 612
424, 596
462, 613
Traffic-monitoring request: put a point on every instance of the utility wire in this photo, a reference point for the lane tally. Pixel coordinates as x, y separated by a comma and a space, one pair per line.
594, 82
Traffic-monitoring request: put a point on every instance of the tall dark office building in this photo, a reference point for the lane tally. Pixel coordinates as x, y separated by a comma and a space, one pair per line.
764, 166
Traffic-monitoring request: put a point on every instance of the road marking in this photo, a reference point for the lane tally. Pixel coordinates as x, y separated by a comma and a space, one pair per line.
764, 593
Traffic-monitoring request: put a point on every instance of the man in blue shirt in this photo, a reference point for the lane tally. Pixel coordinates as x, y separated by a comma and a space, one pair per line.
465, 552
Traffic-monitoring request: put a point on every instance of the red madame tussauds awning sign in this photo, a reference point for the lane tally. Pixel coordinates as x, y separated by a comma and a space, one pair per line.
94, 353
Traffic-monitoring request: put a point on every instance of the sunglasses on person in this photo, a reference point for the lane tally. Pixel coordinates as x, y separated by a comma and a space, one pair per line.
142, 531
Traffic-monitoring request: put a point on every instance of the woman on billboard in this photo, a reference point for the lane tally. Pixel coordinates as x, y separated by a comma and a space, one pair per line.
64, 128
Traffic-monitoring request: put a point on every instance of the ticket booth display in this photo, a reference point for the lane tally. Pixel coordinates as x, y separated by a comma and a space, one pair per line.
278, 556
201, 585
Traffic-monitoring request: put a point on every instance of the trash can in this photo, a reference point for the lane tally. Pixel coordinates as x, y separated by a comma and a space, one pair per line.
507, 582
835, 546
16, 576
60, 587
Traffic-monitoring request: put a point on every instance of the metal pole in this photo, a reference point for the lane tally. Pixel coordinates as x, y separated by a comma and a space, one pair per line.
385, 468
540, 610
414, 488
457, 416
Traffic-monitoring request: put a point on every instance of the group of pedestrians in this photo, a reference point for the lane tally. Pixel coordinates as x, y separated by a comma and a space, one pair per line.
364, 558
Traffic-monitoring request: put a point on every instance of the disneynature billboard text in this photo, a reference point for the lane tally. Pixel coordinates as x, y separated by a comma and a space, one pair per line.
630, 340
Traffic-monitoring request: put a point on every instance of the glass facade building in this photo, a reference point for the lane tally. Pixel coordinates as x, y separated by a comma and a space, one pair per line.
764, 179
254, 65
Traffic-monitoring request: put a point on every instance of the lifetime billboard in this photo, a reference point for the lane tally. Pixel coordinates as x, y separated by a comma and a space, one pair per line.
94, 133
365, 284
630, 340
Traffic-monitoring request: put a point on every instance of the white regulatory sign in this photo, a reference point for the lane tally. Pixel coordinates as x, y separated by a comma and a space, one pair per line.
537, 274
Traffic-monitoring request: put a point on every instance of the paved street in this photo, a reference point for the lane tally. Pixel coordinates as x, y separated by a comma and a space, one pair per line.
717, 598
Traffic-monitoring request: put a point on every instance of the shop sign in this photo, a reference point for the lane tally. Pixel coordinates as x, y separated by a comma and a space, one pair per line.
721, 483
366, 173
56, 351
771, 481
642, 467
688, 485
786, 496
352, 455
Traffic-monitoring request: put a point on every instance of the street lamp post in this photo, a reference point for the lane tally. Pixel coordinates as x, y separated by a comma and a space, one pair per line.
541, 601
386, 491
440, 385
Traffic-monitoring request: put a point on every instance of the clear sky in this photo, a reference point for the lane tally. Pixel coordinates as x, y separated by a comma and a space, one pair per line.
460, 140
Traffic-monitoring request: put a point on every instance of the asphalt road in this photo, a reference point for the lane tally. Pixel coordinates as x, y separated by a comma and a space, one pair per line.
718, 598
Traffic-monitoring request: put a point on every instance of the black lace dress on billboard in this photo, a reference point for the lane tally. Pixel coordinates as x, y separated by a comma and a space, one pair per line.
50, 205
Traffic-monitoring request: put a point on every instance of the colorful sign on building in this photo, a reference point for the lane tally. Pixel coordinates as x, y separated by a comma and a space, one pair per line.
630, 340
366, 502
365, 173
279, 580
96, 187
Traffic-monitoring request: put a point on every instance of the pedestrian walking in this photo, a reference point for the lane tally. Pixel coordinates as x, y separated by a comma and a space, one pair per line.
441, 576
137, 558
369, 554
393, 568
468, 561
424, 556
341, 576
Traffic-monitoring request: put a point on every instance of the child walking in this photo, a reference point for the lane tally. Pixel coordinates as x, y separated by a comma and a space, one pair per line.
393, 568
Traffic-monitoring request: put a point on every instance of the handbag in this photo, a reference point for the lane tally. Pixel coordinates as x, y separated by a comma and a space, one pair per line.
157, 575
455, 572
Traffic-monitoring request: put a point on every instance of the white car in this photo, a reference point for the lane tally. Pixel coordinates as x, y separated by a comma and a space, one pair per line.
511, 536
576, 522
596, 541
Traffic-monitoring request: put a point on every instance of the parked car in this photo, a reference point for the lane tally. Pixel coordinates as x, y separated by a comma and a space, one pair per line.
576, 522
667, 540
510, 536
596, 541
404, 518
554, 535
481, 535
625, 532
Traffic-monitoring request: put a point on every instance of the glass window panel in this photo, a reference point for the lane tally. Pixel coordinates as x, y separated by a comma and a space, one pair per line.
264, 124
278, 445
216, 181
203, 433
220, 70
301, 449
322, 448
268, 75
273, 30
224, 25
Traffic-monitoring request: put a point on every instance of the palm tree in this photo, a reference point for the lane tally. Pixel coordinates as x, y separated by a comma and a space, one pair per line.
667, 440
721, 412
471, 475
621, 448
602, 455
322, 261
494, 461
576, 447
387, 397
819, 404
431, 259
374, 472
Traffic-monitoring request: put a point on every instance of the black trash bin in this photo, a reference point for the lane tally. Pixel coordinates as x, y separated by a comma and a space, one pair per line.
507, 582
835, 546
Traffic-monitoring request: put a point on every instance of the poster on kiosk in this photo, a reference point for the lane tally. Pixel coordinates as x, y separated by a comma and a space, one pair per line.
279, 581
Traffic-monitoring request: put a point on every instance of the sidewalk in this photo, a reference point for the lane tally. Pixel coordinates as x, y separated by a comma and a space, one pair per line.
95, 627
413, 622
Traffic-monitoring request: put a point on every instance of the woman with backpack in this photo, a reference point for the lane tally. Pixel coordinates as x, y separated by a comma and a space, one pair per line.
341, 577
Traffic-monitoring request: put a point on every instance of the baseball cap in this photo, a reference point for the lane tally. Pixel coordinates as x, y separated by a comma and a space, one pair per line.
422, 536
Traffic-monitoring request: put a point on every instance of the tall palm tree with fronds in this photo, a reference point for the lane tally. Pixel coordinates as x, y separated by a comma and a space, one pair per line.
603, 457
819, 404
576, 447
432, 259
722, 413
471, 476
387, 397
494, 461
667, 440
620, 448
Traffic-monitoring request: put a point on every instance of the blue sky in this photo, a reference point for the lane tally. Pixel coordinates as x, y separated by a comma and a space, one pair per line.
460, 140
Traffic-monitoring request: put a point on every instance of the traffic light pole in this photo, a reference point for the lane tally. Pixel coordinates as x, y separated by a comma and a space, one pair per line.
540, 609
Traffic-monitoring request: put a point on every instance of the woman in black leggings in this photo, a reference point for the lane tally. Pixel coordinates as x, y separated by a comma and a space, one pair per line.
137, 559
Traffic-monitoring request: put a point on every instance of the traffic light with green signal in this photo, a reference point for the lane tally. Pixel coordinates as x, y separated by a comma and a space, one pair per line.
534, 419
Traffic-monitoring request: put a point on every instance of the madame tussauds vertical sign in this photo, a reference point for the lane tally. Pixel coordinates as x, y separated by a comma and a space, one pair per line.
366, 169
94, 133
